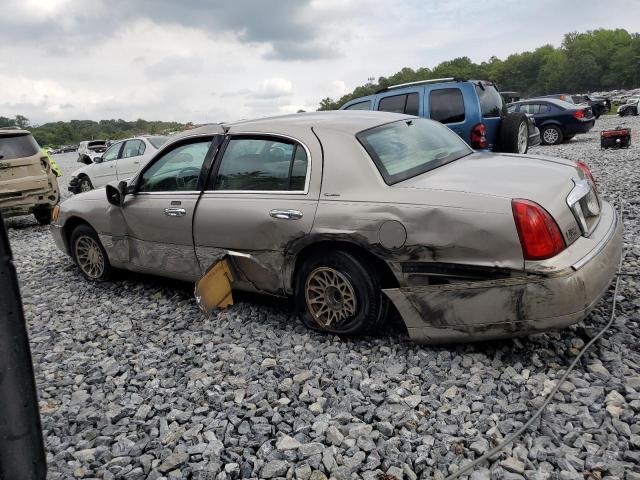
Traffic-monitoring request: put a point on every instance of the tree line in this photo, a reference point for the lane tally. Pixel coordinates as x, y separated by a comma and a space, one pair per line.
55, 134
585, 62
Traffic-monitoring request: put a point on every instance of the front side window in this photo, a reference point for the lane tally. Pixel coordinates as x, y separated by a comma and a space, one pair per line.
17, 146
532, 108
407, 103
178, 170
112, 153
360, 106
446, 105
262, 164
407, 148
133, 148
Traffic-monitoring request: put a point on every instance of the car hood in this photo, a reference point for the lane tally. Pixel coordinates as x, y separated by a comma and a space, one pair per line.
501, 175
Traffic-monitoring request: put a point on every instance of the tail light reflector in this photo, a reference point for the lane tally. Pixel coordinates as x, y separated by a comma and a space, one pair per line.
578, 114
479, 136
539, 234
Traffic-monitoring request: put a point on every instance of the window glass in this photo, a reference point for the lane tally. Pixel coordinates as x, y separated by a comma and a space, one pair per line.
411, 107
262, 165
394, 104
512, 108
18, 146
446, 105
360, 106
157, 141
111, 153
533, 108
543, 108
177, 170
491, 102
408, 148
132, 148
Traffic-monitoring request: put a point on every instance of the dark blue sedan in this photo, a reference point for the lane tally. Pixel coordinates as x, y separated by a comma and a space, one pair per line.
557, 120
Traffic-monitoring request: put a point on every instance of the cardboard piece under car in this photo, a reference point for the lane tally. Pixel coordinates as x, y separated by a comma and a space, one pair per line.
213, 290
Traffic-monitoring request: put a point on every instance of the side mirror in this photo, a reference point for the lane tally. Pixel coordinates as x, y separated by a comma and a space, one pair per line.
97, 159
116, 194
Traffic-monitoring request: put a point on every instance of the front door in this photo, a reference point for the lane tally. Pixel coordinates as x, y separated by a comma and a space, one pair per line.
260, 199
158, 215
105, 171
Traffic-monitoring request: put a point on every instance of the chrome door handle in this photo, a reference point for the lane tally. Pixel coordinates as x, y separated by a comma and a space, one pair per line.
286, 214
175, 212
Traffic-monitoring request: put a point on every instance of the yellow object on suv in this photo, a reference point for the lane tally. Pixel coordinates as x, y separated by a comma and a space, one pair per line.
27, 182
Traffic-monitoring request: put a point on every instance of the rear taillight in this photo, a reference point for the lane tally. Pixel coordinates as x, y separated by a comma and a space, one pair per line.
44, 161
582, 166
539, 234
479, 136
578, 114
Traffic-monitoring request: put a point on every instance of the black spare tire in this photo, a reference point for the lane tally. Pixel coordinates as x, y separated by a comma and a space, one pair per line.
514, 133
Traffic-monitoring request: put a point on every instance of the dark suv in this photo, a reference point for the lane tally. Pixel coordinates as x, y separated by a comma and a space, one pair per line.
472, 108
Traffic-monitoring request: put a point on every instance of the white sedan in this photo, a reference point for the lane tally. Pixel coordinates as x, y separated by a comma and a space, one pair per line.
120, 161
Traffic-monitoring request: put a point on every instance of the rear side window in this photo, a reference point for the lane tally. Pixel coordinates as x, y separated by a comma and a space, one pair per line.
491, 102
18, 146
447, 105
264, 164
360, 106
133, 148
407, 103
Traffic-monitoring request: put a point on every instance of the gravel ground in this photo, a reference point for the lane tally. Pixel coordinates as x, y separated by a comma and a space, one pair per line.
135, 383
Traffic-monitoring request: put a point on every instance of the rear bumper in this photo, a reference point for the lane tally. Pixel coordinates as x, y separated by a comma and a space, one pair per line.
23, 203
580, 126
513, 306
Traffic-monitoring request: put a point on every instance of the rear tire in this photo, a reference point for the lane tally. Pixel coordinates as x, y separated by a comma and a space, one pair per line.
338, 293
514, 133
551, 135
43, 215
89, 254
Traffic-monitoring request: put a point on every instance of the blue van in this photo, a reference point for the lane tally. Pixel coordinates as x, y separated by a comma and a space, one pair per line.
474, 109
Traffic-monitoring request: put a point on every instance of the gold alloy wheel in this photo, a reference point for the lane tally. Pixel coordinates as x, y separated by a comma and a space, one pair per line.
330, 296
89, 256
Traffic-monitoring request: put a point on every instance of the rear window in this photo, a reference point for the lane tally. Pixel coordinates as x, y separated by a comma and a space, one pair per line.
446, 105
157, 141
491, 102
18, 146
360, 106
407, 103
404, 149
97, 143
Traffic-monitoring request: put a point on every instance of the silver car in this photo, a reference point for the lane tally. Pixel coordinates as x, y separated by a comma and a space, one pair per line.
354, 213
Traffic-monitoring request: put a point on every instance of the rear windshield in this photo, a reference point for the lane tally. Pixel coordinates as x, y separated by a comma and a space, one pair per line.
157, 141
97, 143
491, 102
18, 146
407, 148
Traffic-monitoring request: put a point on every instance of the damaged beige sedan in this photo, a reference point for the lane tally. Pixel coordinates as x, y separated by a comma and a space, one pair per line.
354, 213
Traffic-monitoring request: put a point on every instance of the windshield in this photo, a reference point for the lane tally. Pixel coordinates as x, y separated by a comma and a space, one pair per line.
157, 141
407, 148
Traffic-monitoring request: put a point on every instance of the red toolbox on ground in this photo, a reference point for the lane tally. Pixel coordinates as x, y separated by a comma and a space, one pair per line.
616, 138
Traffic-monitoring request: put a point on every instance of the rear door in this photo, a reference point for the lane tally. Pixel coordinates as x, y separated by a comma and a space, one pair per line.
105, 171
259, 199
446, 105
128, 163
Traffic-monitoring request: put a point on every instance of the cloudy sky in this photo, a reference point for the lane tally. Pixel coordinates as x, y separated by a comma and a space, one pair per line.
210, 60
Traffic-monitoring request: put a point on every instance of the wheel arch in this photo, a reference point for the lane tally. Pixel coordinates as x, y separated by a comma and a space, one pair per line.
69, 226
387, 277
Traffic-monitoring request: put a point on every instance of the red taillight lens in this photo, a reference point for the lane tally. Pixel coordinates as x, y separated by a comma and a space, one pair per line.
479, 136
539, 234
578, 114
582, 166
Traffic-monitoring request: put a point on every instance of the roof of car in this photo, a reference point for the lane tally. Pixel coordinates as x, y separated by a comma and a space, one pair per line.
348, 121
13, 131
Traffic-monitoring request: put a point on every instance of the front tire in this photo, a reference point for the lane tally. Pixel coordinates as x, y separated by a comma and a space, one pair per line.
514, 133
84, 184
551, 135
338, 293
89, 254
